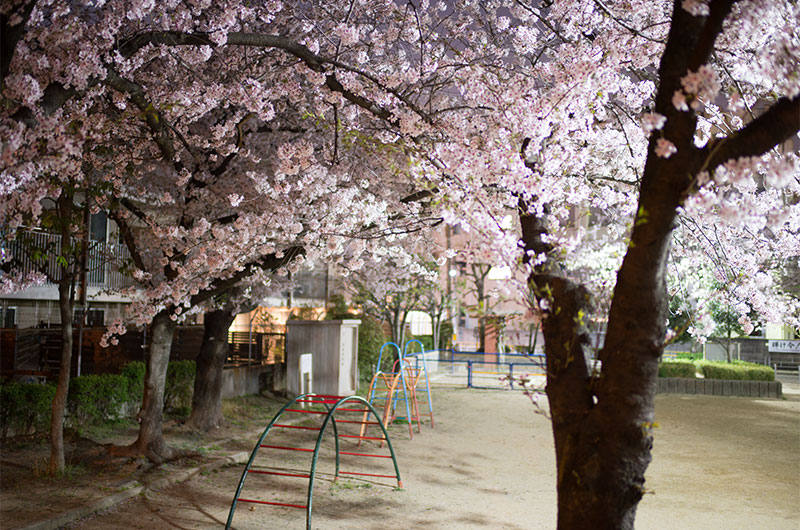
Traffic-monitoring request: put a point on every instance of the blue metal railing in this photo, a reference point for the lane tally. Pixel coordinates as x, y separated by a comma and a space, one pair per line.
509, 368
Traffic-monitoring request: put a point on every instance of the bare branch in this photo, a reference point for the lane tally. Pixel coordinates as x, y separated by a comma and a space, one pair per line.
127, 236
619, 21
779, 123
155, 121
269, 262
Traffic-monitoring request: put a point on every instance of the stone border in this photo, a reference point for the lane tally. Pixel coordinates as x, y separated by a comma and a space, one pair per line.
719, 387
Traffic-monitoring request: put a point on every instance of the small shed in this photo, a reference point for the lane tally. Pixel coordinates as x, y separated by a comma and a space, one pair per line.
334, 345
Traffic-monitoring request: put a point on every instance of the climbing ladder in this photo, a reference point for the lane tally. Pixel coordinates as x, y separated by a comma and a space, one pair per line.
386, 389
417, 374
334, 408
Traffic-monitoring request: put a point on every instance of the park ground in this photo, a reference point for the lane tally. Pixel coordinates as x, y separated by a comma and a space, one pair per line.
488, 463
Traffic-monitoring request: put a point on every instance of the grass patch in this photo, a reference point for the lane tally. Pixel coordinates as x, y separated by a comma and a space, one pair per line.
248, 408
70, 471
348, 485
109, 429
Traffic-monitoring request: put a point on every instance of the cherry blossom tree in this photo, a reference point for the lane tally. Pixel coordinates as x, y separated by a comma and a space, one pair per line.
649, 112
694, 155
437, 303
207, 397
218, 316
393, 284
216, 166
59, 260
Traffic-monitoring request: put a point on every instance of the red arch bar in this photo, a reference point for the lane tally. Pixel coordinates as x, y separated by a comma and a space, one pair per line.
303, 506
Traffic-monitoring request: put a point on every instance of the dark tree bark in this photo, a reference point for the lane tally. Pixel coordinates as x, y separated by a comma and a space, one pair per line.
11, 34
66, 305
207, 399
151, 441
602, 423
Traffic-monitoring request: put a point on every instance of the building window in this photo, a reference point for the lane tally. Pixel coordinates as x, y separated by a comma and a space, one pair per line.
98, 226
95, 318
9, 317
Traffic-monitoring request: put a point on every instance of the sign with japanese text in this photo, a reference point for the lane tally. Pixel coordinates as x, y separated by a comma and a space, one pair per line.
784, 346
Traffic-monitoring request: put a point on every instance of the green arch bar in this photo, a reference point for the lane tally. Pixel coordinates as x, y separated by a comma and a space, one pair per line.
329, 419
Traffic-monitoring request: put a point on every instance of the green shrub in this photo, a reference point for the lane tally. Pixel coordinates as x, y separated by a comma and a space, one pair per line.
446, 335
25, 407
370, 340
677, 369
94, 399
426, 340
180, 385
688, 356
133, 373
178, 389
737, 371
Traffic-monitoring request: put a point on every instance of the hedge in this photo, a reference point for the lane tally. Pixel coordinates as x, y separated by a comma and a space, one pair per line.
134, 375
178, 389
93, 399
25, 408
677, 369
737, 371
180, 385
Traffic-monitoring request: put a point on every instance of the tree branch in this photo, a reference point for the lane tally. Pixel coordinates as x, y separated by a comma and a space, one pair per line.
159, 128
623, 24
418, 196
270, 262
259, 40
718, 12
127, 236
779, 123
11, 34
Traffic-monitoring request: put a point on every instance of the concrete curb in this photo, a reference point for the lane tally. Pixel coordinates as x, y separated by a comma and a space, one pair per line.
134, 489
719, 387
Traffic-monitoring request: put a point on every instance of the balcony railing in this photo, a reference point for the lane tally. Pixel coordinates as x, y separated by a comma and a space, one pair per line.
39, 251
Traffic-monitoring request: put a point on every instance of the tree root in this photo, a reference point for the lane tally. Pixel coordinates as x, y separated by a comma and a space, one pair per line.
157, 455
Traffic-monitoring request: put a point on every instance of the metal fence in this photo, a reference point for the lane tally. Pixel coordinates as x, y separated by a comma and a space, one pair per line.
36, 352
482, 370
33, 250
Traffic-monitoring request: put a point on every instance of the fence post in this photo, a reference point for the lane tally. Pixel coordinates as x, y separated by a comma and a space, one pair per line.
469, 374
511, 375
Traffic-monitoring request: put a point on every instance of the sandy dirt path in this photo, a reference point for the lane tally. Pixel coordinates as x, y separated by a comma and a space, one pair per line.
718, 463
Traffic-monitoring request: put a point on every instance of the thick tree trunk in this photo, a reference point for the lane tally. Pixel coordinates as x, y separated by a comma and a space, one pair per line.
65, 306
602, 424
207, 399
151, 441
